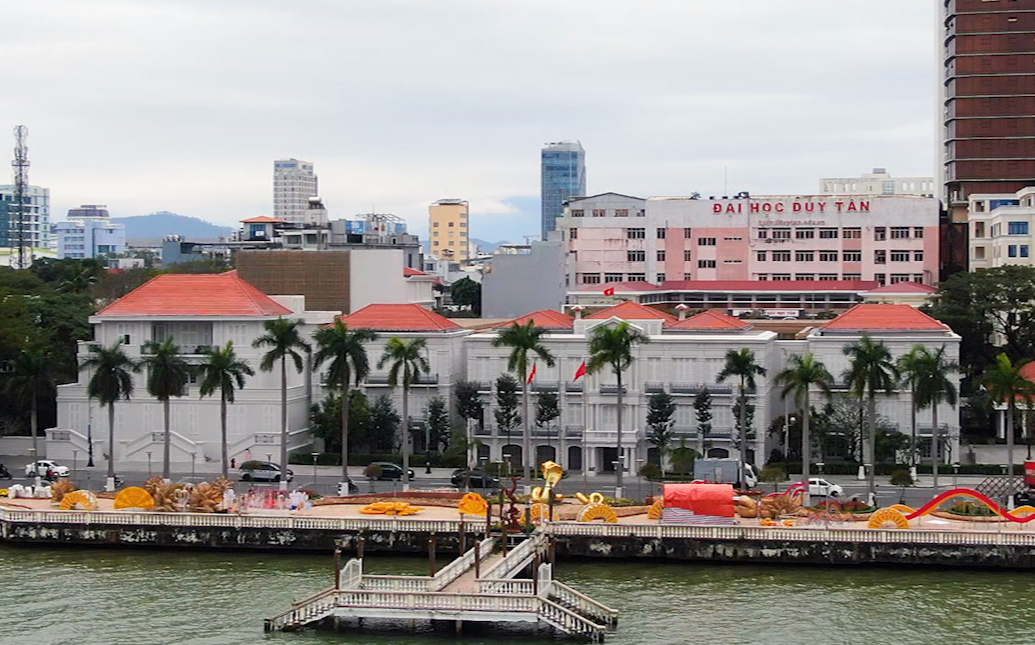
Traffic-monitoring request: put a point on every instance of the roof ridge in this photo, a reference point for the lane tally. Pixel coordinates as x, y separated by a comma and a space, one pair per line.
251, 290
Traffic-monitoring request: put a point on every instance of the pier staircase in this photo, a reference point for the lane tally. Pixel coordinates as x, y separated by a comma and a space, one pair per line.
482, 585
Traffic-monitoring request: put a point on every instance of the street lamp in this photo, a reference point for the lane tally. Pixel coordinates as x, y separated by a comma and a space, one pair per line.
315, 456
149, 464
618, 489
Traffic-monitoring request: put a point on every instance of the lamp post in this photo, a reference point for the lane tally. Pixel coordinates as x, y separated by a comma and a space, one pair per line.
193, 456
617, 463
149, 464
315, 456
89, 434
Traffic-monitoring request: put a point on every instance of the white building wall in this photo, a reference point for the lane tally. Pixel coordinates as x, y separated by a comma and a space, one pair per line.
376, 276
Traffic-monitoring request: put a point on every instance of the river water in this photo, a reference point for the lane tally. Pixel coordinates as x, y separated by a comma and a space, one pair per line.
79, 596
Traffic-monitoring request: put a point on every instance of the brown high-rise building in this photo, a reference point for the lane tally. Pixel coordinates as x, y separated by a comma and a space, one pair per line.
989, 92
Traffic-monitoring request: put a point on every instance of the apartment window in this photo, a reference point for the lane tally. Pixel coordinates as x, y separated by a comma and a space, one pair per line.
1023, 248
851, 276
621, 212
1011, 251
688, 276
641, 213
452, 224
761, 256
805, 276
599, 212
612, 277
661, 256
852, 256
918, 232
687, 233
804, 256
918, 256
918, 277
828, 256
435, 243
804, 233
763, 233
827, 277
881, 278
733, 261
781, 233
573, 233
434, 233
880, 233
785, 277
733, 239
900, 232
463, 224
781, 256
637, 277
828, 233
706, 241
686, 256
763, 277
661, 233
590, 278
660, 278
900, 256
852, 234
434, 224
706, 264
880, 257
979, 229
1018, 228
579, 213
636, 256
635, 233
899, 277
979, 253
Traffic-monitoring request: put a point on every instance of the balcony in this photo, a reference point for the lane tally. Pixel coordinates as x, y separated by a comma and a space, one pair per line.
653, 388
546, 386
694, 388
612, 389
483, 386
197, 350
573, 387
423, 379
572, 432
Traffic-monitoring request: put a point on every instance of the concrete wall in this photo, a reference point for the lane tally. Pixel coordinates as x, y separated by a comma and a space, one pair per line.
518, 284
376, 276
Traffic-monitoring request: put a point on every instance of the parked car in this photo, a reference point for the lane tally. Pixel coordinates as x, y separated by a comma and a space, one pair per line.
822, 487
479, 478
390, 470
46, 468
264, 471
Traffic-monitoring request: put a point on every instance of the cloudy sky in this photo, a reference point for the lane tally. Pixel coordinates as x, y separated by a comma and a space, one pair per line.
183, 105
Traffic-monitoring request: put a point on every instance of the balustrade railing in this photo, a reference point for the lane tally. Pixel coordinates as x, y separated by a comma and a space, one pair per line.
461, 565
582, 604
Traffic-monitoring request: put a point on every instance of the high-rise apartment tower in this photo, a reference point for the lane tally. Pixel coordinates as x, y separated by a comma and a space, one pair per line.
294, 182
563, 176
988, 98
448, 230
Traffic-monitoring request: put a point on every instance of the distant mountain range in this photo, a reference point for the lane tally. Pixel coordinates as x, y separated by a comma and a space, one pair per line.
162, 223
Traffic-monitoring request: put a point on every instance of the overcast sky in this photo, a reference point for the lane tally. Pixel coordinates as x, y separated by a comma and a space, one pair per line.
182, 105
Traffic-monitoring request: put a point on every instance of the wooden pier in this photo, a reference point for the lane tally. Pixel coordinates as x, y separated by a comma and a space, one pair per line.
482, 585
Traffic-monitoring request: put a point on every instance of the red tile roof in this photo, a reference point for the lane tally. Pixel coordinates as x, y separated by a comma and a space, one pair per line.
398, 317
1028, 371
904, 287
873, 316
630, 310
545, 318
185, 294
262, 219
408, 271
712, 320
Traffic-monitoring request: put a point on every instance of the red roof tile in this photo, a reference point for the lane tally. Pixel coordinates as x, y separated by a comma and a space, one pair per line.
185, 294
873, 316
630, 310
262, 219
408, 271
398, 317
1028, 371
712, 320
545, 318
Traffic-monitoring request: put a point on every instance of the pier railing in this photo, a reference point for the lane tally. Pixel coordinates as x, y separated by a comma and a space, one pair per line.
461, 565
518, 558
582, 604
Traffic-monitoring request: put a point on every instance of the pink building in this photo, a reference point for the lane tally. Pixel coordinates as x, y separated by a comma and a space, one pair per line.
617, 238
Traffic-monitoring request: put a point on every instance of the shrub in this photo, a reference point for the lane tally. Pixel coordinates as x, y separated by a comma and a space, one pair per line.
901, 477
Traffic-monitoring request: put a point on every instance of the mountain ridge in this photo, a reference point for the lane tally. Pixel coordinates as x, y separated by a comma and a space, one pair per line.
162, 223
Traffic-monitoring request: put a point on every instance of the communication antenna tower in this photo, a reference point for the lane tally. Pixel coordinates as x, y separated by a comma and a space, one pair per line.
21, 184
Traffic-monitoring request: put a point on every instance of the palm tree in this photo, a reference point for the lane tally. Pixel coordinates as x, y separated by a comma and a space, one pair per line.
1006, 384
223, 371
910, 366
112, 380
524, 339
934, 387
741, 363
167, 376
33, 377
872, 370
345, 350
611, 346
407, 360
285, 341
799, 377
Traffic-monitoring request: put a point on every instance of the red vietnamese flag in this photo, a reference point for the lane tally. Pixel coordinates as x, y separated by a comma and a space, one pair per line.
531, 375
610, 291
580, 372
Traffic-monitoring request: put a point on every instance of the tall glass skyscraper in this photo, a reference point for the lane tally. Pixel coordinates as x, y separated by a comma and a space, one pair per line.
563, 176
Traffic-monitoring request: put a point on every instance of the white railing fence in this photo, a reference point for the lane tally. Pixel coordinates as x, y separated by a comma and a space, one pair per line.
461, 565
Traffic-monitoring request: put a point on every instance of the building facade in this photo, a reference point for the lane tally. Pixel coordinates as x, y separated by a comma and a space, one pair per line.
1002, 229
36, 230
448, 229
89, 232
885, 239
527, 280
988, 99
878, 182
563, 170
294, 182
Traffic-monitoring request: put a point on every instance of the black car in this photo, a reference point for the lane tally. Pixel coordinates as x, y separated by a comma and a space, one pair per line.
390, 470
479, 479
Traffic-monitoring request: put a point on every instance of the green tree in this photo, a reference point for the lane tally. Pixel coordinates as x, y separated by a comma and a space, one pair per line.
610, 346
932, 388
33, 377
167, 376
682, 458
1005, 383
465, 292
111, 379
910, 366
224, 372
506, 412
469, 406
524, 340
547, 409
406, 363
871, 370
661, 407
345, 350
438, 424
384, 424
284, 341
742, 365
703, 416
802, 374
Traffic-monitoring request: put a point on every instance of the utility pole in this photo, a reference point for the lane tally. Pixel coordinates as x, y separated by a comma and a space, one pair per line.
21, 184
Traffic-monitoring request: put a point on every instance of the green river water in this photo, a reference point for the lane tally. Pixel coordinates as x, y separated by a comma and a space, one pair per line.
78, 596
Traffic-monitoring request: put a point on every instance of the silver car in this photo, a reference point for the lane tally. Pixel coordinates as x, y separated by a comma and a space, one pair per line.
264, 471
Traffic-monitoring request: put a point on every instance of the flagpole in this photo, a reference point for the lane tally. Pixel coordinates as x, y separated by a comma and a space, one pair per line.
561, 390
585, 427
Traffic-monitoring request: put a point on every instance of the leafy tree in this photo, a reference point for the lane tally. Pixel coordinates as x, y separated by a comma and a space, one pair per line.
469, 406
871, 371
547, 409
406, 362
661, 407
33, 377
610, 346
773, 475
524, 340
438, 424
804, 372
742, 365
932, 388
384, 424
910, 367
682, 458
284, 341
465, 292
222, 370
111, 380
703, 416
1005, 383
506, 412
167, 376
345, 350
